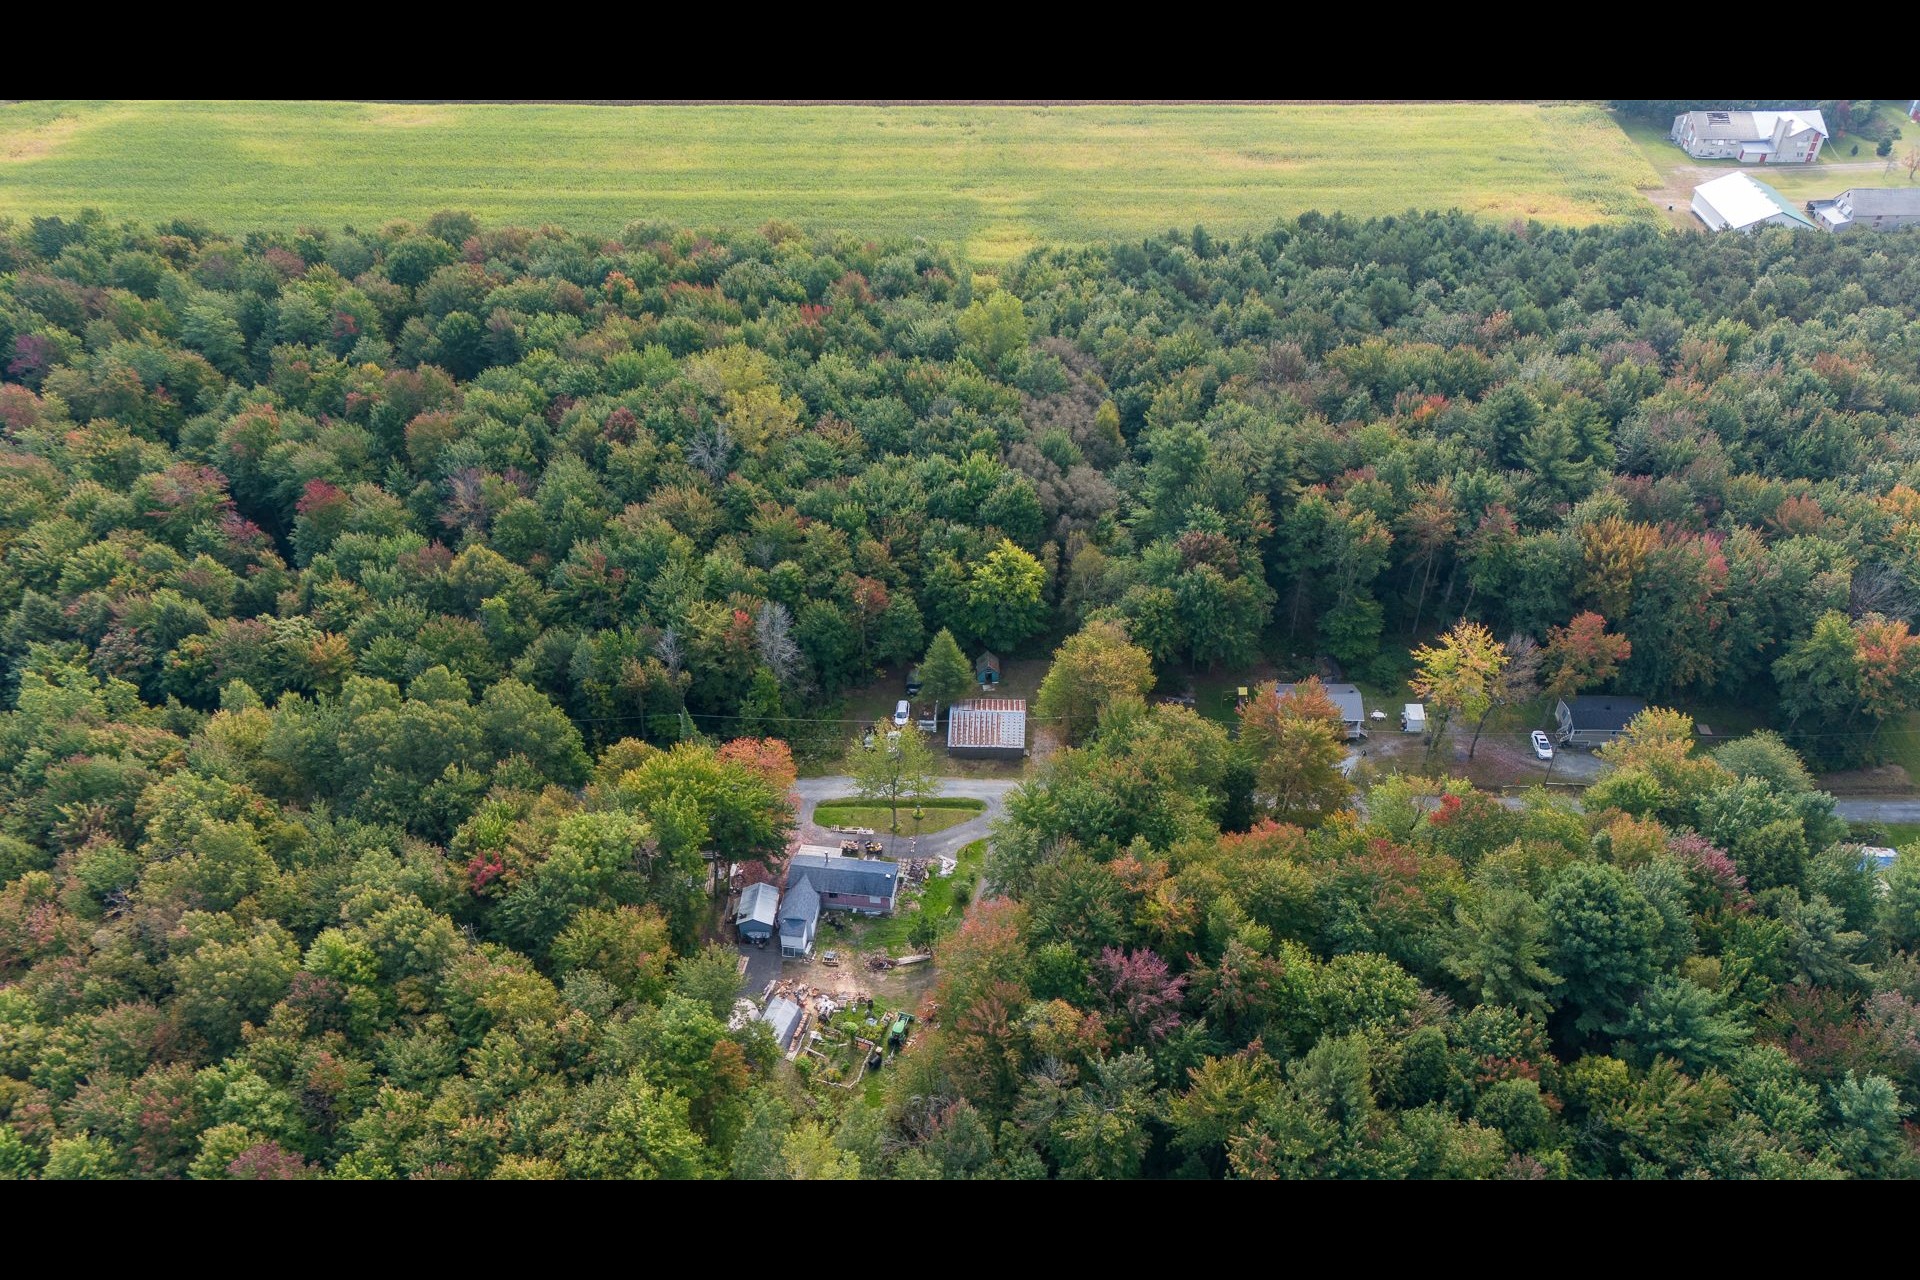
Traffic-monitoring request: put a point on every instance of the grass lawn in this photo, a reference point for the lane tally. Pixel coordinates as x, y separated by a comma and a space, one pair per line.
994, 181
938, 899
941, 813
1900, 744
1901, 834
1728, 720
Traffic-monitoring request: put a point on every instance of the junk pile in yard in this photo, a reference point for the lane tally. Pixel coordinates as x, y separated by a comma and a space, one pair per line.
881, 963
846, 1035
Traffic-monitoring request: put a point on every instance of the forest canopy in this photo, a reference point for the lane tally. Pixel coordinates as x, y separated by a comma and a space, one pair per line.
392, 620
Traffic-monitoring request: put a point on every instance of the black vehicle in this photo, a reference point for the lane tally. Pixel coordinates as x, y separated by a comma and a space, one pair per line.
913, 682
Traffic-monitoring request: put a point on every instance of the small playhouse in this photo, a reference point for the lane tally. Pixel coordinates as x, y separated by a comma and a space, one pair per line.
986, 672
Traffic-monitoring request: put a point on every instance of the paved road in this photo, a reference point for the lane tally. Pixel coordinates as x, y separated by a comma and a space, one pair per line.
1853, 810
812, 791
1878, 810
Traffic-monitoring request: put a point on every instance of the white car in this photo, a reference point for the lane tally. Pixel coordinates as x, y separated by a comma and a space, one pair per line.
1541, 747
902, 712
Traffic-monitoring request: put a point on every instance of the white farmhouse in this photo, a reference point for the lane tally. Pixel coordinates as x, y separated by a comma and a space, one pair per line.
1751, 137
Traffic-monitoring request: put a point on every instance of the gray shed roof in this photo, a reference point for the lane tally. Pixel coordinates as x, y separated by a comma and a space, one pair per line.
759, 903
1878, 202
1353, 709
1603, 713
817, 874
782, 1015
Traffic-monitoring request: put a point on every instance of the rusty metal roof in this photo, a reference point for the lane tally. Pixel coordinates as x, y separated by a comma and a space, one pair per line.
988, 722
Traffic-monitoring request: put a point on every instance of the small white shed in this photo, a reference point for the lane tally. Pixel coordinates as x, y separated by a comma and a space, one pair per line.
1413, 719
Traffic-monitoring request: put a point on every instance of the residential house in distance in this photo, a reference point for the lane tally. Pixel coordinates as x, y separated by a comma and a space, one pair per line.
988, 729
1593, 720
986, 671
1751, 137
758, 912
1878, 859
865, 885
1740, 202
1353, 713
1868, 209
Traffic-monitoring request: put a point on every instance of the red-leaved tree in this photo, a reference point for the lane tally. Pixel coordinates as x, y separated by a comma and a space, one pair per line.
1141, 995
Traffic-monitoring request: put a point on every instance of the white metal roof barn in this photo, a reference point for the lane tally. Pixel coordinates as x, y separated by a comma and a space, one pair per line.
1741, 202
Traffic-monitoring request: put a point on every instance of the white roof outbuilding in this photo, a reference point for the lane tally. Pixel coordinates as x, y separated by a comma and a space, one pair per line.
1740, 201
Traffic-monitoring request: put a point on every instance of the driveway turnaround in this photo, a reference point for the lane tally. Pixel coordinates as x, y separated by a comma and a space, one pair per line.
811, 791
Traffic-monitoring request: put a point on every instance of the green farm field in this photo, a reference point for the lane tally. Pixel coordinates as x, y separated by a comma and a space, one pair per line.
994, 181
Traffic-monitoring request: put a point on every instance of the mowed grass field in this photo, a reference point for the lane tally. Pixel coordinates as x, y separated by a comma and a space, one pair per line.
992, 180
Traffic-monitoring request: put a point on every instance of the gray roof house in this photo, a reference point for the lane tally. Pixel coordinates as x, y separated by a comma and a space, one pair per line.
838, 883
1751, 137
799, 917
1868, 209
1594, 720
758, 911
1353, 711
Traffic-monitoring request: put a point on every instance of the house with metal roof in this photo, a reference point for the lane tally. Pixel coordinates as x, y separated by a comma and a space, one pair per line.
840, 883
758, 912
799, 917
1751, 137
988, 729
1353, 711
1868, 209
1740, 202
783, 1016
1594, 720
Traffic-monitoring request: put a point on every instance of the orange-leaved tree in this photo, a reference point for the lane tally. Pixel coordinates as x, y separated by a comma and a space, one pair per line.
1294, 744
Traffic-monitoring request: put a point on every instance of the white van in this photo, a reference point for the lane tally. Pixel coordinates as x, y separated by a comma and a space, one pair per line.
902, 712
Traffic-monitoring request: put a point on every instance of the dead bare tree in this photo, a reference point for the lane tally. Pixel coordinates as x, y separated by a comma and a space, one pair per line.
711, 451
773, 634
671, 650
